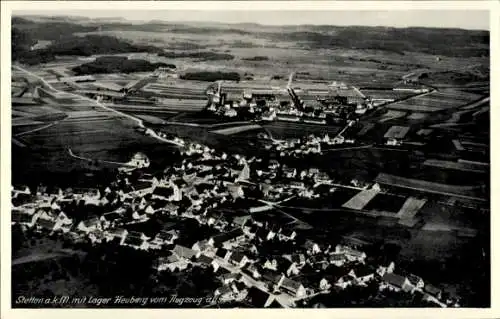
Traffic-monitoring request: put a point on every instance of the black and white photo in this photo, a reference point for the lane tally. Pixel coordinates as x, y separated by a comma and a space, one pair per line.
250, 159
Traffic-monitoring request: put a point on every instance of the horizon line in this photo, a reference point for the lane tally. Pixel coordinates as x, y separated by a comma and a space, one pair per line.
158, 20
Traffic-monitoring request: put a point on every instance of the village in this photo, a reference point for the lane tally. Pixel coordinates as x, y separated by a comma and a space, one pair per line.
261, 259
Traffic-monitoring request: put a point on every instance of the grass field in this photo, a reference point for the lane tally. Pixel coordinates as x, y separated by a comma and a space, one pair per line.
363, 67
435, 101
428, 187
41, 148
386, 203
387, 94
432, 245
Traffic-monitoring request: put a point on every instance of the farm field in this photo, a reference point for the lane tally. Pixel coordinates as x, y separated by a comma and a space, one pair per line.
457, 166
387, 94
435, 101
46, 131
426, 186
386, 203
431, 203
390, 115
417, 116
178, 89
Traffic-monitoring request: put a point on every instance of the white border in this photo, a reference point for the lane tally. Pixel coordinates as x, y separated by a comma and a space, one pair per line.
8, 6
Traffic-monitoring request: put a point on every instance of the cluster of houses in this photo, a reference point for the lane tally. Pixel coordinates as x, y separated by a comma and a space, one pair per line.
310, 144
196, 189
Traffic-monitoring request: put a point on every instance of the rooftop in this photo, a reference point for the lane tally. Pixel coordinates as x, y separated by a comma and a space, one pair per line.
183, 252
395, 280
361, 199
258, 298
396, 131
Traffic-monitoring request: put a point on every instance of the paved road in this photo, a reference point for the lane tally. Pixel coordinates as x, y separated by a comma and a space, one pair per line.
138, 121
37, 129
89, 159
476, 104
37, 257
346, 148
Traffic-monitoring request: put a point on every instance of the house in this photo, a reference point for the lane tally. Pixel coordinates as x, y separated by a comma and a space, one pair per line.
271, 264
64, 219
287, 234
416, 281
159, 204
382, 270
135, 241
395, 134
22, 218
46, 214
120, 233
215, 265
432, 293
228, 278
362, 273
265, 234
149, 210
273, 164
213, 217
223, 253
141, 188
270, 278
139, 234
395, 282
311, 247
345, 281
322, 177
238, 259
171, 263
241, 221
292, 287
289, 172
240, 289
337, 259
350, 253
96, 236
226, 239
252, 270
236, 191
201, 246
19, 199
163, 238
111, 220
259, 298
166, 226
140, 215
224, 293
92, 197
165, 192
324, 284
299, 259
23, 190
297, 185
250, 229
204, 261
89, 225
184, 252
45, 225
63, 224
287, 267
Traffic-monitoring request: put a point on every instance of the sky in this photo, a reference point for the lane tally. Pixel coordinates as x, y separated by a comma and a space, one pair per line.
465, 19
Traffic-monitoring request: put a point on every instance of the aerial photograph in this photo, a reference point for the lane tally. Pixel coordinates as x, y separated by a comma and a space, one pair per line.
263, 159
